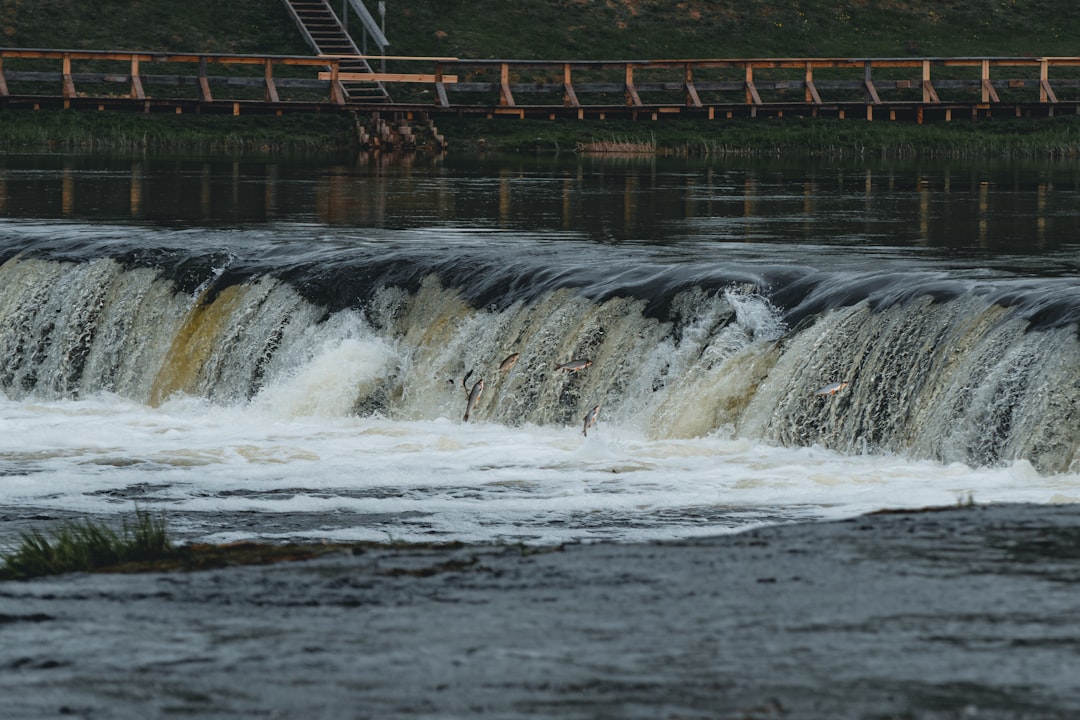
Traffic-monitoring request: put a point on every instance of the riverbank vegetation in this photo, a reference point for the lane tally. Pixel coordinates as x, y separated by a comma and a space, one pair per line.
83, 546
1057, 137
62, 130
566, 29
684, 29
141, 544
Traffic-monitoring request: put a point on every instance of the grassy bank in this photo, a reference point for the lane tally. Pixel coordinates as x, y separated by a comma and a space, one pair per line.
667, 29
564, 29
1030, 138
67, 130
573, 29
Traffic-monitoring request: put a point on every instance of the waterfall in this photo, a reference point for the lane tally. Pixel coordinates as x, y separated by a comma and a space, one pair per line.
978, 372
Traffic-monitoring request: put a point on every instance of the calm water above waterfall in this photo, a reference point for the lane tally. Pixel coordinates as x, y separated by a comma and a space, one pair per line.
286, 349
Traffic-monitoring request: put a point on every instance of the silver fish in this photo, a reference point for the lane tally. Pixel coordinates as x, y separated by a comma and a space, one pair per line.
474, 395
590, 419
574, 365
508, 363
831, 388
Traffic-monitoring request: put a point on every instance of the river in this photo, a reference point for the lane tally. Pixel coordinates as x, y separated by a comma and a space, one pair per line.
700, 378
285, 349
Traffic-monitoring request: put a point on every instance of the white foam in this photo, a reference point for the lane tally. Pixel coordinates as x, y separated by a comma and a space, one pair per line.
442, 479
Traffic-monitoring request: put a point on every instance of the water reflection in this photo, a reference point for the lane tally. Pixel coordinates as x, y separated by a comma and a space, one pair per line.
1019, 206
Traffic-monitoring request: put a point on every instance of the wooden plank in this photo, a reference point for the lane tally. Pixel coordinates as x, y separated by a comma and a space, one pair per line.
3, 80
337, 90
440, 91
868, 83
440, 86
570, 98
751, 91
389, 77
271, 89
632, 97
1045, 91
929, 94
69, 84
811, 90
988, 91
692, 98
136, 82
204, 84
506, 98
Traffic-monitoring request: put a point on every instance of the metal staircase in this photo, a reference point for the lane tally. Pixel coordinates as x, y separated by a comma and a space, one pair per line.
327, 35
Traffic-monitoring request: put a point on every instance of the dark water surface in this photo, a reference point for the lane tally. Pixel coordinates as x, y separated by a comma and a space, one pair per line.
953, 615
978, 208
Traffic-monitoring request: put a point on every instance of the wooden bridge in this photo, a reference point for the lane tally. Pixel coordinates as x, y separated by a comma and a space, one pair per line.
918, 89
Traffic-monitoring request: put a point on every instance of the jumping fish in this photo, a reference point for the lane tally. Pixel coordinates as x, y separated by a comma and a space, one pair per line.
464, 380
574, 365
831, 389
590, 419
508, 363
474, 395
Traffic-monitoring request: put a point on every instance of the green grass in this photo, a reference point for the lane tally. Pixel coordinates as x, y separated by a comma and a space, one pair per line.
656, 29
572, 29
795, 137
85, 546
210, 26
65, 130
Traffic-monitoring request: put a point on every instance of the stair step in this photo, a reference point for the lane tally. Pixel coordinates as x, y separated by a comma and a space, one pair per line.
323, 30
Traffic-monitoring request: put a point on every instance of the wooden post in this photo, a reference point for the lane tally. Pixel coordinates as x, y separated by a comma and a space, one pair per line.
929, 94
569, 96
751, 91
811, 91
337, 91
692, 99
69, 84
1046, 93
271, 89
868, 83
505, 96
440, 86
632, 97
136, 82
3, 80
988, 91
204, 82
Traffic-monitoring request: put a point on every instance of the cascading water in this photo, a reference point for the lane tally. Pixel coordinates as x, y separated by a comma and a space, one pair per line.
981, 372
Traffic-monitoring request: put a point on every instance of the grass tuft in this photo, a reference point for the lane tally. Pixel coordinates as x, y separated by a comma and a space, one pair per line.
85, 546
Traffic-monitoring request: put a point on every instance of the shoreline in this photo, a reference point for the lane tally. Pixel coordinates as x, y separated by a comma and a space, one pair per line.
72, 131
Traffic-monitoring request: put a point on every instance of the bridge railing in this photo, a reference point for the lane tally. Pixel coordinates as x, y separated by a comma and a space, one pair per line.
517, 87
206, 78
512, 84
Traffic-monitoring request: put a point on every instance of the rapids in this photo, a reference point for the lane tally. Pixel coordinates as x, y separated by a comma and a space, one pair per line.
945, 366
